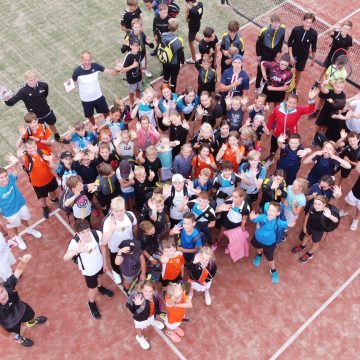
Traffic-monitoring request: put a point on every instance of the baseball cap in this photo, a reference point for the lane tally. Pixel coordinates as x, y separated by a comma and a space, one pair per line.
125, 169
132, 244
237, 57
177, 178
66, 154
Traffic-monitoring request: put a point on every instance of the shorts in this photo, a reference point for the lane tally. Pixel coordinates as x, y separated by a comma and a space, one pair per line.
316, 235
289, 215
130, 279
193, 30
135, 87
200, 287
28, 315
99, 105
50, 118
128, 195
300, 64
15, 220
165, 283
92, 281
268, 250
172, 326
43, 191
352, 200
274, 96
144, 324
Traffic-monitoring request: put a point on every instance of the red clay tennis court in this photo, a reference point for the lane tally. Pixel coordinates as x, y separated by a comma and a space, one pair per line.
313, 313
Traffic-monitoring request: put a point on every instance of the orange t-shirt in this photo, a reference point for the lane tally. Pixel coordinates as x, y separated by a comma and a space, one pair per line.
42, 132
198, 164
175, 314
172, 269
230, 155
152, 308
41, 173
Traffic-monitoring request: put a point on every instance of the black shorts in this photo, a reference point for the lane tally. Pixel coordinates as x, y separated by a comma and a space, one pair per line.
274, 96
50, 118
322, 120
92, 281
192, 34
253, 197
99, 105
300, 64
316, 235
28, 315
165, 283
43, 191
268, 250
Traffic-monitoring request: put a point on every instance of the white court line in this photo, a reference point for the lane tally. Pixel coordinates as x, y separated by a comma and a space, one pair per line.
316, 314
175, 350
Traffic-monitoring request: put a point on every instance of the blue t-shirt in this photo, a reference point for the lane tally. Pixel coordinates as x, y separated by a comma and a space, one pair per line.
323, 166
207, 187
162, 107
82, 142
227, 79
11, 199
186, 241
266, 233
300, 198
289, 160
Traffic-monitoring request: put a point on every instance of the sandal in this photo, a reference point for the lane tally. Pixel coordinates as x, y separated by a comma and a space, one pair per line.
173, 336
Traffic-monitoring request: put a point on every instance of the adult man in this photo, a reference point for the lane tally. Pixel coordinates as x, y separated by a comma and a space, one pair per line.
34, 94
87, 77
119, 225
85, 247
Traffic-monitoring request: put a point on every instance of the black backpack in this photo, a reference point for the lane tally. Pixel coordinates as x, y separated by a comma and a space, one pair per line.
77, 257
169, 201
127, 213
31, 162
326, 223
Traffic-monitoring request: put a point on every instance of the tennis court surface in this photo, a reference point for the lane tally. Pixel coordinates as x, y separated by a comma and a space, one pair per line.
313, 313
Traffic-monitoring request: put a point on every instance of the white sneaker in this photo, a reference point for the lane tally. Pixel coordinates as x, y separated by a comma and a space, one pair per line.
117, 277
143, 342
21, 243
343, 213
354, 225
147, 73
190, 61
207, 298
36, 234
158, 324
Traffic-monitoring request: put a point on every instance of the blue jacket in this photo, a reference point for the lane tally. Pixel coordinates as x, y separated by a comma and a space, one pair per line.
266, 234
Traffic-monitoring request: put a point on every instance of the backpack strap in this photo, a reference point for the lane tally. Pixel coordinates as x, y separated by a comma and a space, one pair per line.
200, 235
77, 239
203, 213
130, 216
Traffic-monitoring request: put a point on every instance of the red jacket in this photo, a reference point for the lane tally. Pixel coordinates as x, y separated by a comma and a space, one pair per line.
287, 120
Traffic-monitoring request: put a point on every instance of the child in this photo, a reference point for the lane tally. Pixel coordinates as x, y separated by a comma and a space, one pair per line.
167, 101
205, 136
144, 306
204, 160
259, 126
107, 186
207, 74
231, 38
149, 241
125, 177
152, 165
131, 66
81, 137
231, 151
40, 133
235, 108
325, 162
182, 162
274, 188
248, 139
160, 24
225, 182
264, 240
147, 135
260, 107
125, 112
113, 123
131, 261
172, 262
314, 227
65, 168
141, 186
291, 153
176, 302
38, 164
131, 12
204, 214
252, 174
7, 259
106, 156
221, 136
208, 45
193, 14
204, 182
126, 146
201, 273
164, 153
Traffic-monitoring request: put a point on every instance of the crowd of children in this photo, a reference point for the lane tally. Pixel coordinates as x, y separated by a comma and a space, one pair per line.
176, 175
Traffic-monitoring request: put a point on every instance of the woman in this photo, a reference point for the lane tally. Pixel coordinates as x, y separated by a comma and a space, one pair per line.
208, 111
277, 76
204, 160
167, 101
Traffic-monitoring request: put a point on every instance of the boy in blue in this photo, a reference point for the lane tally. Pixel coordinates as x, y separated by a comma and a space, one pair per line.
190, 237
265, 238
80, 138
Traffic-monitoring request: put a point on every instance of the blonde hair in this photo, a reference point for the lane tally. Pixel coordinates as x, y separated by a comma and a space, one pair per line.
157, 199
233, 50
172, 289
204, 127
117, 203
173, 24
206, 250
253, 155
30, 74
249, 133
139, 170
302, 183
151, 150
145, 226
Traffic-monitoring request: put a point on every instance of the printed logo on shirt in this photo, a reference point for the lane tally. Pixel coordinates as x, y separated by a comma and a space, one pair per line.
41, 91
7, 194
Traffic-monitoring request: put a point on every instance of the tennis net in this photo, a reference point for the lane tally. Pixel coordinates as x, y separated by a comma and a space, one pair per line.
291, 14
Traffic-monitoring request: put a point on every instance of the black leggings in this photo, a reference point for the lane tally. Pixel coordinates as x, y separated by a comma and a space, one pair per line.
171, 72
28, 315
274, 145
115, 267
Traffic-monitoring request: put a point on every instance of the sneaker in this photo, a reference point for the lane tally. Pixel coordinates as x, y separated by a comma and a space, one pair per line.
214, 246
37, 320
94, 310
105, 292
173, 336
227, 251
26, 342
55, 201
20, 242
305, 258
36, 234
257, 260
161, 72
207, 298
343, 213
354, 225
179, 331
12, 243
46, 212
274, 277
117, 278
143, 342
296, 249
158, 324
147, 73
190, 61
95, 211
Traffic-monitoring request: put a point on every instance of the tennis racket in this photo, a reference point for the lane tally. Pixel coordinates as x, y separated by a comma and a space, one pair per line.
292, 85
339, 60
